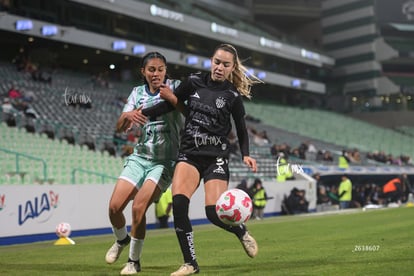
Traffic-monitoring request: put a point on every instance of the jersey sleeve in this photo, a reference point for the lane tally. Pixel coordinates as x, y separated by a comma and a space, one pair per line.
158, 109
131, 102
238, 114
183, 91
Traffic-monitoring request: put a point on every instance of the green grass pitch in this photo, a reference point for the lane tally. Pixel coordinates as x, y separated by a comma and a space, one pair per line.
375, 242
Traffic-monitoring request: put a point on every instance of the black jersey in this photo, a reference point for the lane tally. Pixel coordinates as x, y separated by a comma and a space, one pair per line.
210, 107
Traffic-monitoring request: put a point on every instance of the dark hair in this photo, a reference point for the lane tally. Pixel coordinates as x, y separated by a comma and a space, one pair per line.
152, 55
257, 181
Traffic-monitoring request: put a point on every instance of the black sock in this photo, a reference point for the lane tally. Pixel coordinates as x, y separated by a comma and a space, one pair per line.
125, 241
183, 228
132, 261
212, 216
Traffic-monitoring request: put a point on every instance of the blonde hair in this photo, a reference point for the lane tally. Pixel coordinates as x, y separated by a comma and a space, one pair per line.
241, 78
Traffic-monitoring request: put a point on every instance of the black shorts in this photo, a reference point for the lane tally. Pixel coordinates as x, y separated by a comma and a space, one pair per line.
208, 167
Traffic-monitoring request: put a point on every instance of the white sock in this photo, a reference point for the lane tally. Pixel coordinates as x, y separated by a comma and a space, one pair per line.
120, 233
135, 249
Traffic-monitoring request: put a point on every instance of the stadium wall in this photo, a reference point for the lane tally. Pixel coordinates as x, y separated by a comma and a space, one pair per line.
31, 213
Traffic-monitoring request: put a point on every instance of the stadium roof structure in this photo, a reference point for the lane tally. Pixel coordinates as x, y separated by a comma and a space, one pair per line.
403, 27
175, 21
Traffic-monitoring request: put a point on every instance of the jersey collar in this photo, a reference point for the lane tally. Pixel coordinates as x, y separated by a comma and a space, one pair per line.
147, 89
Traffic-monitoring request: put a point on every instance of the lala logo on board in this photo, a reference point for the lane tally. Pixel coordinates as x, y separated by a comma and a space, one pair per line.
2, 200
38, 207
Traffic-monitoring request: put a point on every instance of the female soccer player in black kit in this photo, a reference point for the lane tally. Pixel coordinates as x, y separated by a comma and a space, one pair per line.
211, 100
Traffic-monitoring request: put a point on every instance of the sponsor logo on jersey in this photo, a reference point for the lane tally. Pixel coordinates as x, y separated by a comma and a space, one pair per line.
219, 170
204, 140
195, 95
182, 157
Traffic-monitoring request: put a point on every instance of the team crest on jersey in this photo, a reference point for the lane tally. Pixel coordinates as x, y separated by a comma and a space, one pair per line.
220, 102
220, 161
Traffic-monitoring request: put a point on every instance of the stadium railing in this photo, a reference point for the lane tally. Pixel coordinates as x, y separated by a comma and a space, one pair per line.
17, 170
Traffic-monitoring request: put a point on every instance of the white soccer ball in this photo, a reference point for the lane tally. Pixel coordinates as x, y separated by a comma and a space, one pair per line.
63, 230
234, 207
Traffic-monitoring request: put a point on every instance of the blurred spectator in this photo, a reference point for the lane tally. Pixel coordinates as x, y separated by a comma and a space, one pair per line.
311, 147
393, 191
317, 177
8, 111
14, 93
307, 151
29, 96
264, 136
259, 197
295, 203
283, 170
322, 196
243, 186
406, 185
295, 153
354, 156
276, 149
332, 192
38, 74
7, 107
343, 160
375, 196
325, 156
25, 108
358, 197
303, 148
345, 192
259, 138
406, 160
163, 208
377, 156
30, 112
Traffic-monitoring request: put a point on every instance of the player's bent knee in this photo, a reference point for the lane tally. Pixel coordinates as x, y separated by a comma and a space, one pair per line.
212, 215
115, 209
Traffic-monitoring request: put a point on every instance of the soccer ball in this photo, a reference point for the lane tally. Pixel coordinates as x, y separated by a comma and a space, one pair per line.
63, 230
234, 207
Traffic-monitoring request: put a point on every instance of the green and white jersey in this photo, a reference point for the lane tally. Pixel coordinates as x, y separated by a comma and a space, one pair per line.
159, 138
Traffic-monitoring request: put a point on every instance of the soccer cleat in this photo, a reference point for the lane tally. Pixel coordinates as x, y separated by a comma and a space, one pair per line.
186, 269
115, 251
249, 245
131, 268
